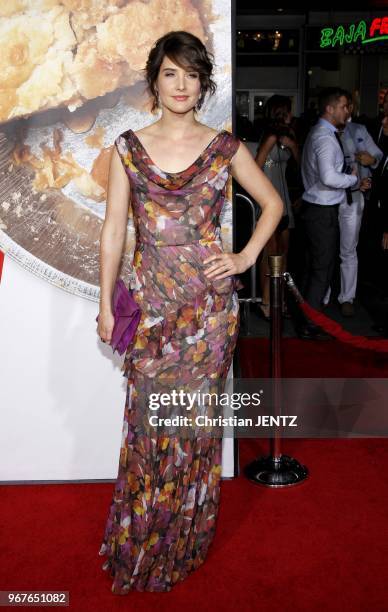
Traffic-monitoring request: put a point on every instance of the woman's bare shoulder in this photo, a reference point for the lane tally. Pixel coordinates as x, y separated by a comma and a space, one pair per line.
209, 131
148, 129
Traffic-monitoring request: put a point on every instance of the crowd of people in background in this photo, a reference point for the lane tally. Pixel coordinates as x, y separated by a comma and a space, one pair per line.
331, 171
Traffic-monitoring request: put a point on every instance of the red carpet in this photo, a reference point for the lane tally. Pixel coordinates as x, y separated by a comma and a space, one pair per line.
319, 546
311, 359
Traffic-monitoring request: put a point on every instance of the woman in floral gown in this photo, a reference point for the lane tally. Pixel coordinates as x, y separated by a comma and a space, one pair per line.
165, 502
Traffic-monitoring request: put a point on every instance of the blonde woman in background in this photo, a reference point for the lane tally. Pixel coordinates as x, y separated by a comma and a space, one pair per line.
277, 146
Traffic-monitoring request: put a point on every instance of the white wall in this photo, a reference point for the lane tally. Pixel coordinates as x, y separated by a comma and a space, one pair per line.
62, 393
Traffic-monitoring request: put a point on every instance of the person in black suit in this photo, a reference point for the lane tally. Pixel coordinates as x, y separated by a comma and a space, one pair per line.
381, 180
379, 201
372, 258
382, 136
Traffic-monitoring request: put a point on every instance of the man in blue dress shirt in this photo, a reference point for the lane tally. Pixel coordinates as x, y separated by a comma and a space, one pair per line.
327, 182
362, 153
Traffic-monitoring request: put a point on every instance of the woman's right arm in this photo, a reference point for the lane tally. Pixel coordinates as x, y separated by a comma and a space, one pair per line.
112, 240
264, 150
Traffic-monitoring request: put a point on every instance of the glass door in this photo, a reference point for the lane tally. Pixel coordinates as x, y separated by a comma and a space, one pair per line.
250, 105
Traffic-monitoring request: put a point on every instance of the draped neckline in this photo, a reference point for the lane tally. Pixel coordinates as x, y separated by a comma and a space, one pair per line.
164, 177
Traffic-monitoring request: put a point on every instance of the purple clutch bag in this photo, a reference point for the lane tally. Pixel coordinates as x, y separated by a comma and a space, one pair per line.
127, 313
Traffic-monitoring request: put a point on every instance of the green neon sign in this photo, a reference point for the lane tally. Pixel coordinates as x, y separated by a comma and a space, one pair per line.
342, 35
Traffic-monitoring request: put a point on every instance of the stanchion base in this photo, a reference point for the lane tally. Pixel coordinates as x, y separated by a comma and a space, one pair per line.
274, 472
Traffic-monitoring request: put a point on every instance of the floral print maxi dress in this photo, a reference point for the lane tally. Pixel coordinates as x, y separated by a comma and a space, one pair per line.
165, 502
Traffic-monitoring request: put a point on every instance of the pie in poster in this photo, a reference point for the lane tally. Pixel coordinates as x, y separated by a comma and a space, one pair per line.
71, 80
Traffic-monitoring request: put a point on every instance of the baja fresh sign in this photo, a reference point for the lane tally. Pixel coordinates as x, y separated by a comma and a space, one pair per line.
361, 31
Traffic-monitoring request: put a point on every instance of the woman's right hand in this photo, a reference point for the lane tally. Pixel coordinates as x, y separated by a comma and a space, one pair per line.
105, 326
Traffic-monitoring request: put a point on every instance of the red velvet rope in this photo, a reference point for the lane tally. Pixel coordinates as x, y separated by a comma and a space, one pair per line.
334, 329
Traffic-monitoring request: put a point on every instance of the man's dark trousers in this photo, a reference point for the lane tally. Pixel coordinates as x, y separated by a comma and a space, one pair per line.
320, 223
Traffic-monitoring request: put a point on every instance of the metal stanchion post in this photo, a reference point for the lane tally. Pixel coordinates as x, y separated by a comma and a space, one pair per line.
275, 263
276, 470
253, 297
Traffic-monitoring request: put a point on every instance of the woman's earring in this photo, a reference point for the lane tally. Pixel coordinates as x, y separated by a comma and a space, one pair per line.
199, 102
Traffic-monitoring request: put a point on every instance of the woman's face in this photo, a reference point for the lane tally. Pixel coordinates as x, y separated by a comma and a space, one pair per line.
288, 117
285, 116
179, 89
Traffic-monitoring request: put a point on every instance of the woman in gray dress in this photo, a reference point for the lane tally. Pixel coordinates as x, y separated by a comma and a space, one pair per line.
277, 146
